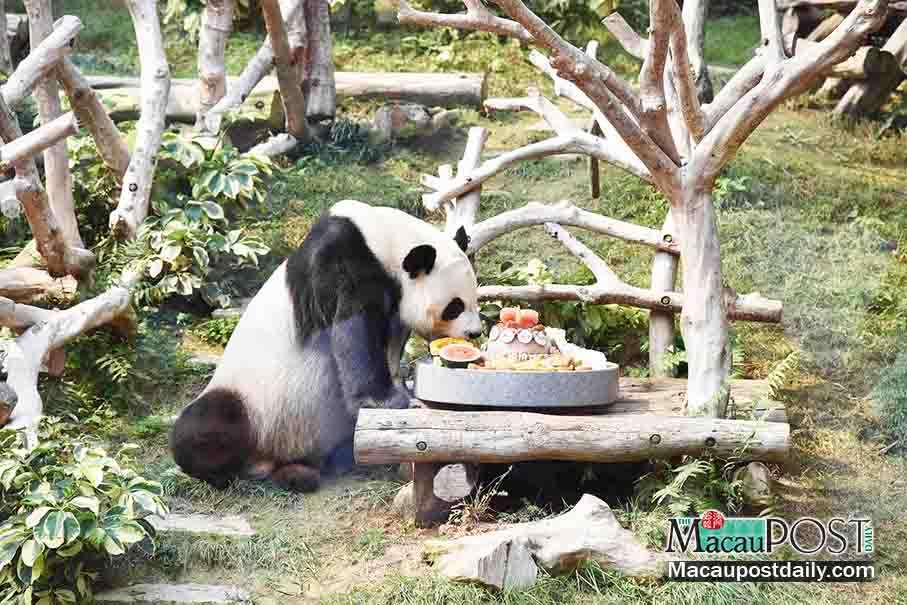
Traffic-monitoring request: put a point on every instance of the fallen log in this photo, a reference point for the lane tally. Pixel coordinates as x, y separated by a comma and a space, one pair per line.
866, 62
515, 556
867, 97
427, 435
122, 95
844, 6
27, 285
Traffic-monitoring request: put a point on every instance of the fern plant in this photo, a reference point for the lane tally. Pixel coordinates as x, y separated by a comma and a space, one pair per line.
693, 486
782, 371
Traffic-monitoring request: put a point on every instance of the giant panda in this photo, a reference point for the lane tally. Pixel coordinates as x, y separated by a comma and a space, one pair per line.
322, 338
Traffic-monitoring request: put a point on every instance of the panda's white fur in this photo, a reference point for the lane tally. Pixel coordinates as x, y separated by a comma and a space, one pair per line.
283, 404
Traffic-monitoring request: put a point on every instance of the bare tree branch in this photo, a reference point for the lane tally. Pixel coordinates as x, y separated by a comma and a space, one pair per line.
694, 19
780, 81
41, 61
27, 285
133, 206
770, 26
94, 117
565, 213
57, 176
746, 78
654, 116
25, 354
462, 212
599, 268
6, 60
683, 78
635, 45
287, 68
21, 317
38, 140
477, 17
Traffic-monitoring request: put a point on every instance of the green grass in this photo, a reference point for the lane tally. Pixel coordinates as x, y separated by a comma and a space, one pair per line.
730, 41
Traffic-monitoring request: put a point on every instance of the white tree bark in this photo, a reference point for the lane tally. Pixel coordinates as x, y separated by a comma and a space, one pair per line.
41, 62
134, 198
47, 95
38, 140
21, 317
94, 117
319, 86
25, 354
695, 14
28, 285
287, 64
212, 44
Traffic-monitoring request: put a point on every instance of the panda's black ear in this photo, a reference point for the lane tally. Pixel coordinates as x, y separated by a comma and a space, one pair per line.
420, 259
462, 238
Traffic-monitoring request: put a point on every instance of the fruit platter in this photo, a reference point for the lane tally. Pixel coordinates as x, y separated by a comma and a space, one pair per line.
522, 364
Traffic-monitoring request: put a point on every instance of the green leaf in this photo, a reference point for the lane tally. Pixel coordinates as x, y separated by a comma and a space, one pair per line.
8, 553
51, 531
112, 546
201, 257
129, 533
93, 472
36, 516
214, 210
31, 550
170, 252
155, 267
71, 550
67, 596
71, 528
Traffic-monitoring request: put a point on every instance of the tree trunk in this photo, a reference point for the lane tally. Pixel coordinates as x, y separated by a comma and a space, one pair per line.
703, 320
212, 44
319, 86
56, 158
288, 44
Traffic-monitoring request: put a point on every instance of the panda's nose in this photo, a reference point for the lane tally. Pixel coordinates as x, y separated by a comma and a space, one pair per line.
473, 335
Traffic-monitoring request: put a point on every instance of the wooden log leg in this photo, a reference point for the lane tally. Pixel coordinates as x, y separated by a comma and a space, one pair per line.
430, 509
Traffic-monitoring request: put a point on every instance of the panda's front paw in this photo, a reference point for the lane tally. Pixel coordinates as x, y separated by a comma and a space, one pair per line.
399, 399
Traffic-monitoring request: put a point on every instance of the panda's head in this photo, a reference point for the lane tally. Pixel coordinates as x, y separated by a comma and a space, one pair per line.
438, 290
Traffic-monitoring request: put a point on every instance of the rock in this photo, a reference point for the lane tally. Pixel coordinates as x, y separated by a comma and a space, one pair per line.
232, 525
204, 360
511, 557
455, 482
756, 484
402, 121
404, 503
173, 594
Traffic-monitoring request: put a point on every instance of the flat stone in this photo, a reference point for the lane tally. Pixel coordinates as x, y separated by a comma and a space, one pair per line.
173, 594
204, 360
232, 525
454, 482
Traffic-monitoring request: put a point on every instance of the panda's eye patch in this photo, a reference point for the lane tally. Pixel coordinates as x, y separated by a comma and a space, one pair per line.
453, 310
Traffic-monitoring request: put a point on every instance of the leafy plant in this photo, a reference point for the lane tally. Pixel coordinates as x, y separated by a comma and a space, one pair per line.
779, 374
65, 507
217, 331
693, 486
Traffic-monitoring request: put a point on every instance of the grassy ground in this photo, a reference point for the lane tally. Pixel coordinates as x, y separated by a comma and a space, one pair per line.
809, 214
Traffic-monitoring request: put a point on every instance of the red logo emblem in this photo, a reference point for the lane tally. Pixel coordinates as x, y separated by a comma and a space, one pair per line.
712, 519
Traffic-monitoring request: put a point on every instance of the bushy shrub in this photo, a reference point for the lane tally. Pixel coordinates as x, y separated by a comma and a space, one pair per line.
66, 507
217, 331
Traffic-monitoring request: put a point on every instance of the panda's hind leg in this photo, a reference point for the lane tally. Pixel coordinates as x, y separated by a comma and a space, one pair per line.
213, 440
340, 460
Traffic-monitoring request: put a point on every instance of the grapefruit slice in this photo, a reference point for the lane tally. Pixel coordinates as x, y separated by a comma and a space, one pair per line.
459, 355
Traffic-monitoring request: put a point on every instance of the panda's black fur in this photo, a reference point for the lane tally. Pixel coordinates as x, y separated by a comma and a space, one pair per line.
345, 312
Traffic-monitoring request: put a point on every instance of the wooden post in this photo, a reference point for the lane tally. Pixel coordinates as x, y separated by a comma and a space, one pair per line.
661, 323
319, 86
430, 509
866, 98
287, 64
212, 44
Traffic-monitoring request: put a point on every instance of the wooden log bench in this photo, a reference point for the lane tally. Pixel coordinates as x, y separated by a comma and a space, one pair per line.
647, 422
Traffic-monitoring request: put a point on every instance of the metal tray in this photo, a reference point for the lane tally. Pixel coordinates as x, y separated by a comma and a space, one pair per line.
503, 388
